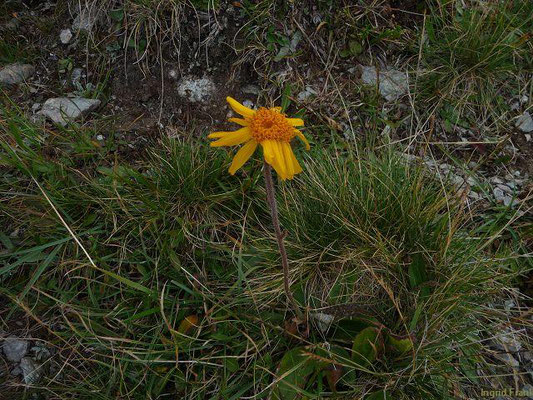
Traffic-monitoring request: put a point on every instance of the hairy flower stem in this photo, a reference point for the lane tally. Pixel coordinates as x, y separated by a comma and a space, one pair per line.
271, 200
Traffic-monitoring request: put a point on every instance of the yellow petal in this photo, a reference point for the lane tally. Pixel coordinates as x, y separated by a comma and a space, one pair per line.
295, 163
287, 152
296, 121
239, 108
244, 153
280, 160
278, 109
302, 138
239, 136
240, 121
268, 151
216, 135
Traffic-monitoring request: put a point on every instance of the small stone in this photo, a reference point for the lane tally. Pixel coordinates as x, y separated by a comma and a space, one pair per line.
99, 137
36, 107
505, 188
173, 74
84, 21
15, 73
15, 348
528, 137
495, 180
30, 370
393, 84
525, 122
16, 371
501, 197
62, 109
251, 89
323, 321
304, 95
76, 75
507, 359
65, 36
196, 90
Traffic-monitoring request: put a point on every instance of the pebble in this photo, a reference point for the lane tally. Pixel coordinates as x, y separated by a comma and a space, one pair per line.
525, 122
30, 370
196, 90
501, 197
15, 348
65, 36
248, 103
306, 93
393, 84
63, 109
15, 73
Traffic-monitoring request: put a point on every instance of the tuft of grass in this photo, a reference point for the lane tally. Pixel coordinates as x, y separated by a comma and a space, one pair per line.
470, 53
160, 278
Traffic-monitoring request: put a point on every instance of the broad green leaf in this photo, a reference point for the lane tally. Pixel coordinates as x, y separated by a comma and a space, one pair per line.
294, 371
366, 346
399, 344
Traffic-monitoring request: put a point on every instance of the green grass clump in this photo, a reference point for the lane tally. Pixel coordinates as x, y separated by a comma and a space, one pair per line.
160, 278
471, 53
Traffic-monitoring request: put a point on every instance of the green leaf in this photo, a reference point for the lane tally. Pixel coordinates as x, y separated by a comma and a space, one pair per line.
417, 270
294, 371
366, 346
285, 98
399, 344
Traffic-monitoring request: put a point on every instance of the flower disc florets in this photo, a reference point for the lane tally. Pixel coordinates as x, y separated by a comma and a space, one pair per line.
270, 124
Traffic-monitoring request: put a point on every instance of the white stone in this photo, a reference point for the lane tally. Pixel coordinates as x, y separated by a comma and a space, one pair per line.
196, 90
323, 321
393, 84
65, 36
63, 109
306, 94
15, 348
525, 122
15, 73
248, 103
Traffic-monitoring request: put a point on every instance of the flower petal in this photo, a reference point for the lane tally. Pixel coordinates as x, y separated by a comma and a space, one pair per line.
302, 138
295, 163
268, 151
216, 135
287, 153
296, 121
240, 121
244, 153
280, 160
239, 108
233, 138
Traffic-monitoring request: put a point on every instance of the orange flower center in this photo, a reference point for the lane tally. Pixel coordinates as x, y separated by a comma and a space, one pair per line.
270, 124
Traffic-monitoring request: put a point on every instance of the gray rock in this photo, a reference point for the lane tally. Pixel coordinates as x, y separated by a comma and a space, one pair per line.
393, 84
15, 348
306, 94
65, 36
251, 89
196, 90
508, 341
323, 321
30, 370
507, 359
15, 73
525, 122
63, 109
84, 21
75, 77
501, 196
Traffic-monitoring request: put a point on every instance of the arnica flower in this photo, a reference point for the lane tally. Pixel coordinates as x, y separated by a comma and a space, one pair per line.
268, 127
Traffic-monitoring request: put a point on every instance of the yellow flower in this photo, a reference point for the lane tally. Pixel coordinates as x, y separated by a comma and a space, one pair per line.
268, 127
